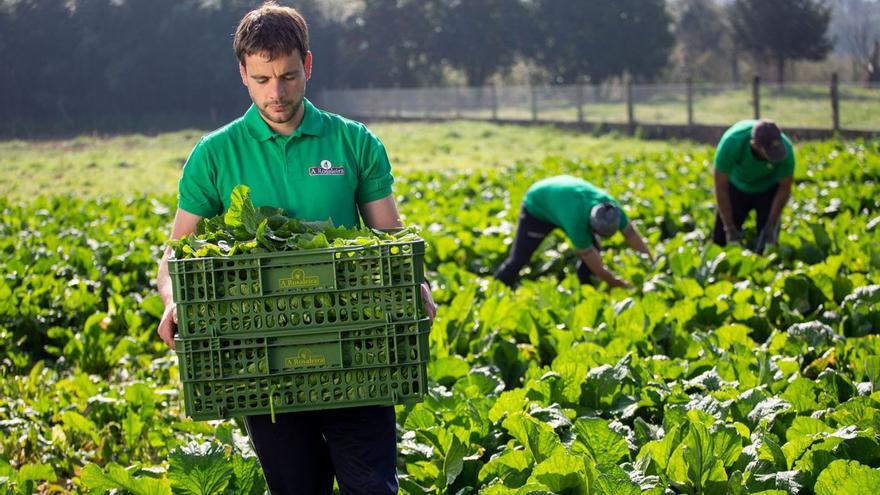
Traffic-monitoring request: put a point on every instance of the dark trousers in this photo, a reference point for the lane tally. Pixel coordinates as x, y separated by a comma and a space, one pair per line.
741, 204
301, 452
530, 232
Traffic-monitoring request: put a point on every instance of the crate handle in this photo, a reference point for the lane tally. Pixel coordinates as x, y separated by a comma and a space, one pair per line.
272, 403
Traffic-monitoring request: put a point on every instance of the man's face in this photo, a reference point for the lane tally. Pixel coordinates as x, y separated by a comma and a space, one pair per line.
277, 86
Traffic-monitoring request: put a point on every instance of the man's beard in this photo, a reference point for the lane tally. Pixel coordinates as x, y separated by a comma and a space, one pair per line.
287, 116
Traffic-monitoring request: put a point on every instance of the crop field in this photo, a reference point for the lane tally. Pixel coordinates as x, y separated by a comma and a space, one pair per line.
719, 372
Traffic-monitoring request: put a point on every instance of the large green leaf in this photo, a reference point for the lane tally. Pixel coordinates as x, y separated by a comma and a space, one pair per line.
248, 477
241, 215
562, 472
696, 465
612, 480
539, 439
446, 370
603, 444
453, 461
80, 423
118, 478
36, 472
847, 478
512, 467
199, 469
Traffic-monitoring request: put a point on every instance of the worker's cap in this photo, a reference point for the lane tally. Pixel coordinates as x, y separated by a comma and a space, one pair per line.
605, 219
767, 136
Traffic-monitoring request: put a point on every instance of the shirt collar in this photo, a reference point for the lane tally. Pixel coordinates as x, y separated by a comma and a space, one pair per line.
312, 124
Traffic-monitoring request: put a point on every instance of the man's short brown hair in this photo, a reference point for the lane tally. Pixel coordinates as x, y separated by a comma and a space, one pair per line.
271, 29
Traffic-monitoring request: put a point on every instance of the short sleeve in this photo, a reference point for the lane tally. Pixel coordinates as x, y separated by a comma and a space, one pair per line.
374, 179
786, 168
197, 188
624, 220
726, 154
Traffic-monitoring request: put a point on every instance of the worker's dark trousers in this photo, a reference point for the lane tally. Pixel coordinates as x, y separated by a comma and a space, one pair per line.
530, 232
741, 204
301, 452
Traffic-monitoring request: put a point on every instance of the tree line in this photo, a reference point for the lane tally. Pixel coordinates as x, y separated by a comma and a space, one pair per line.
123, 64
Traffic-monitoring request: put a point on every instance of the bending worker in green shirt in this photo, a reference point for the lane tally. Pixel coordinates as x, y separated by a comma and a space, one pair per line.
315, 165
754, 165
582, 211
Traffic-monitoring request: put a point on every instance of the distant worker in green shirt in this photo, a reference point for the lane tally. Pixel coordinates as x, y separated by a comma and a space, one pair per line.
754, 167
582, 211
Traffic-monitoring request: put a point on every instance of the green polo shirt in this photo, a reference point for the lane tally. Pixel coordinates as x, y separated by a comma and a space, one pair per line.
325, 169
566, 202
747, 172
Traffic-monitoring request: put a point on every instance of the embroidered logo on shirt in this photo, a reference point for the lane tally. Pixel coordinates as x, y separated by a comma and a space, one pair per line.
327, 168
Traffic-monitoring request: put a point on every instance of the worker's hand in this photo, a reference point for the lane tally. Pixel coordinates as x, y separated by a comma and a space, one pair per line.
430, 307
168, 325
771, 234
733, 235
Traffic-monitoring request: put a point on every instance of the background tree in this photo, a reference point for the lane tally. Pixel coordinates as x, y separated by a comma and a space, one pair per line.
390, 43
601, 39
702, 38
782, 30
481, 37
856, 25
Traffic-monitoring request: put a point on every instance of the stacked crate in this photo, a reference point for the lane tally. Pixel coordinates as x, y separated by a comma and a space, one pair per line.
301, 330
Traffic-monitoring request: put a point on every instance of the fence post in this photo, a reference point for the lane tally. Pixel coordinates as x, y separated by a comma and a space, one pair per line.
756, 97
630, 111
457, 102
835, 103
423, 97
580, 102
494, 102
689, 90
534, 98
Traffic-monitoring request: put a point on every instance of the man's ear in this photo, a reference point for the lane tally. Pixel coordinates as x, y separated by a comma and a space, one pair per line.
307, 64
243, 73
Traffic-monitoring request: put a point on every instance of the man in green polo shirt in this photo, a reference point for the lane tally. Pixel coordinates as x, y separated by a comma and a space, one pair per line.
315, 166
754, 168
582, 211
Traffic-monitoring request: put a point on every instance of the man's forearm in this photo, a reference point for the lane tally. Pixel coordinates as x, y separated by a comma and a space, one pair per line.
722, 197
594, 263
163, 279
381, 214
635, 241
779, 202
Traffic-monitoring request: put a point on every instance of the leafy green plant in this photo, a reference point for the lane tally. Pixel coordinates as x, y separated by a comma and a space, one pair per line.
244, 229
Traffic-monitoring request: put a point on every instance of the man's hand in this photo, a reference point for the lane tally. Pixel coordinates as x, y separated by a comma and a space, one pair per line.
593, 260
430, 307
732, 234
168, 325
184, 224
771, 234
768, 236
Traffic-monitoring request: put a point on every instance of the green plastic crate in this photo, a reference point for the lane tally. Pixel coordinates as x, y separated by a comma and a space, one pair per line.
298, 289
299, 370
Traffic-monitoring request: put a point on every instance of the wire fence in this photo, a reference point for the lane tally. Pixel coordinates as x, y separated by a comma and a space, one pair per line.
833, 106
